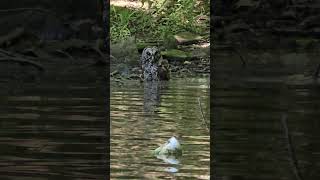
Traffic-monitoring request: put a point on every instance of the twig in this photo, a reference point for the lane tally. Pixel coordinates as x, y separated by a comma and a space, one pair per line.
7, 53
102, 57
316, 74
22, 61
203, 118
65, 54
294, 162
232, 48
244, 64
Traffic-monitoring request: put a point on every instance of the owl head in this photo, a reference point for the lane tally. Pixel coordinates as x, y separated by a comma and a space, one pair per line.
150, 55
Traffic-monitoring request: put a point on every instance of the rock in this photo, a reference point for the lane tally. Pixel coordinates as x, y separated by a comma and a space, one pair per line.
200, 52
187, 38
175, 54
238, 26
246, 3
125, 52
187, 63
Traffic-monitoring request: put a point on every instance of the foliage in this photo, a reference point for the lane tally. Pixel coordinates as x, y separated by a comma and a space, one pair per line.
120, 23
162, 19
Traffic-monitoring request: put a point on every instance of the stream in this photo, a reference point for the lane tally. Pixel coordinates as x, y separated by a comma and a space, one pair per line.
144, 116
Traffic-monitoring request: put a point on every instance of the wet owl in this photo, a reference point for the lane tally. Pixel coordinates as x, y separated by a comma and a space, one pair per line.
154, 68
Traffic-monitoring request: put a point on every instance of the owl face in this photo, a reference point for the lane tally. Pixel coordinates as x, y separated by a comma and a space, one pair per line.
150, 55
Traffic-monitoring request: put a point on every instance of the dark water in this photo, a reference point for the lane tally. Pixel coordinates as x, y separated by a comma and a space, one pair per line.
145, 116
266, 123
53, 131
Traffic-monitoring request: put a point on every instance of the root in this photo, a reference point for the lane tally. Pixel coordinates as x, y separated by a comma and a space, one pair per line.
24, 9
22, 61
65, 54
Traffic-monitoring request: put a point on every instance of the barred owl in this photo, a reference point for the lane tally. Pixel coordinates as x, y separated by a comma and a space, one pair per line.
154, 68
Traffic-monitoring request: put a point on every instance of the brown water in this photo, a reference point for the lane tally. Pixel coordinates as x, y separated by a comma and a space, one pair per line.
143, 116
266, 122
53, 131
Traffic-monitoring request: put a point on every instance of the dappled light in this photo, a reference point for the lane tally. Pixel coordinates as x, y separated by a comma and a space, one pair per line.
141, 123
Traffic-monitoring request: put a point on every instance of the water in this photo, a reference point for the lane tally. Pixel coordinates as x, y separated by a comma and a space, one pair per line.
53, 130
144, 116
253, 107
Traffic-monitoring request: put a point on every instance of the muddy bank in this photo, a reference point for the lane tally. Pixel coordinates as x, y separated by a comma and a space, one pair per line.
185, 59
51, 40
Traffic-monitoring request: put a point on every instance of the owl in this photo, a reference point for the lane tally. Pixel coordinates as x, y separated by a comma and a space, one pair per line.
154, 68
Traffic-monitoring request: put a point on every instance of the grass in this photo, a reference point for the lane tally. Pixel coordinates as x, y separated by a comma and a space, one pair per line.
163, 19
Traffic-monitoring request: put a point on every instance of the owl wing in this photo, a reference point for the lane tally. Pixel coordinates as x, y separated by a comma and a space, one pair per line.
143, 59
164, 69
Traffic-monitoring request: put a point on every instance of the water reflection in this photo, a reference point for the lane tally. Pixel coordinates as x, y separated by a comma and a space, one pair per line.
152, 93
145, 116
266, 120
52, 133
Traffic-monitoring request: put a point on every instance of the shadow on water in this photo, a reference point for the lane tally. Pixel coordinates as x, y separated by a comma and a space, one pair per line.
266, 119
144, 116
52, 130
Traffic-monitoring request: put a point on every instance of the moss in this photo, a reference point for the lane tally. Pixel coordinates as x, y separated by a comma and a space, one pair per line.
187, 37
175, 54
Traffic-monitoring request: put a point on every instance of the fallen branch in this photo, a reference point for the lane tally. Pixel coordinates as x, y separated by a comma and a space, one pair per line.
22, 61
203, 118
294, 162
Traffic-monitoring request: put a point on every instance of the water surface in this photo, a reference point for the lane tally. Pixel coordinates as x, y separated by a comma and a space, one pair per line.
143, 116
266, 121
53, 130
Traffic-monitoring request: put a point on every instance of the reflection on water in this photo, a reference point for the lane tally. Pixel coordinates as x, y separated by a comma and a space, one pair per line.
53, 131
266, 123
144, 116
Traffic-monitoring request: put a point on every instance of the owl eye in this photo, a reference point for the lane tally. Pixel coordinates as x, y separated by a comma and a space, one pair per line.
148, 53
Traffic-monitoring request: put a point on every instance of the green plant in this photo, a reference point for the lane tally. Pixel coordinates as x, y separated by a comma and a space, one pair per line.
163, 18
120, 20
